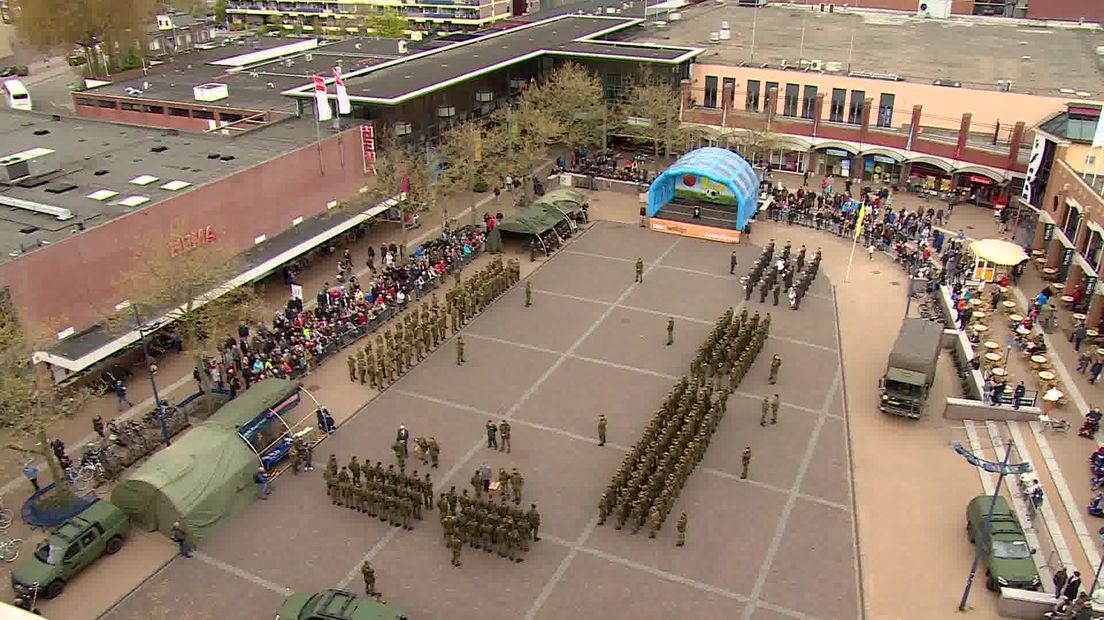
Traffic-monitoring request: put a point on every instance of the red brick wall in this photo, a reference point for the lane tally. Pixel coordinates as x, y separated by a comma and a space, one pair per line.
76, 282
960, 7
1092, 10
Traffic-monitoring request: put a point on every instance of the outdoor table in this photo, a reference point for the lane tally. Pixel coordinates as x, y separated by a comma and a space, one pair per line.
978, 315
1077, 316
980, 328
1038, 361
1058, 286
1040, 262
1009, 304
1100, 352
993, 357
1046, 375
1015, 318
999, 372
991, 346
975, 301
1067, 299
1037, 253
1091, 333
1023, 331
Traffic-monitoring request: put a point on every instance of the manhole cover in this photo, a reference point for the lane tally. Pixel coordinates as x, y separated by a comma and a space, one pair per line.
877, 273
895, 283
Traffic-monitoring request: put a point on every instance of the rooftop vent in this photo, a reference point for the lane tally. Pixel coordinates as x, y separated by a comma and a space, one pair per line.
32, 162
100, 173
159, 149
947, 83
227, 158
211, 91
41, 132
213, 156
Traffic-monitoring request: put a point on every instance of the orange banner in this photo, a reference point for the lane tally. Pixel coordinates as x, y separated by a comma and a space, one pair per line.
697, 231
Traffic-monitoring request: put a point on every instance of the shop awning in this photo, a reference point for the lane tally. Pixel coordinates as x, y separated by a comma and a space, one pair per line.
998, 252
975, 178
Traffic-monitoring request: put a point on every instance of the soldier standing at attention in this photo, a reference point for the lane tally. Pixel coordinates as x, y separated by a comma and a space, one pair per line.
516, 482
528, 294
680, 527
601, 430
454, 547
639, 270
369, 578
459, 350
774, 409
504, 434
776, 363
747, 462
749, 286
670, 331
534, 520
766, 411
732, 263
434, 452
352, 369
777, 290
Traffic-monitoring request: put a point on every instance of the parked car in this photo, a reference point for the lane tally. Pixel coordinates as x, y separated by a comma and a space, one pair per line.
70, 548
1005, 553
335, 605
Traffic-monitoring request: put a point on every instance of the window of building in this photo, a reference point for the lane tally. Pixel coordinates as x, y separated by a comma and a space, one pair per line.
106, 103
792, 94
206, 115
153, 109
710, 91
752, 100
839, 99
726, 85
808, 102
855, 112
1092, 249
885, 110
229, 117
131, 107
178, 112
1073, 220
768, 101
85, 102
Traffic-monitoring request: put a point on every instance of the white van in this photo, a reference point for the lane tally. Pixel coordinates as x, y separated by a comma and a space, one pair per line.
17, 95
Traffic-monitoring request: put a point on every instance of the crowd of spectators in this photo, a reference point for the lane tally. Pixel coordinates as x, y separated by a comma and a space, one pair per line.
631, 168
299, 338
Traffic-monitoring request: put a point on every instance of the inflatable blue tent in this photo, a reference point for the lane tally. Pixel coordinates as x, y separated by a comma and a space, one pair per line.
714, 175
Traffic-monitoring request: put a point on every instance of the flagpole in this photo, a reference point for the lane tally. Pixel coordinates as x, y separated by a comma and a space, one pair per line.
847, 278
318, 141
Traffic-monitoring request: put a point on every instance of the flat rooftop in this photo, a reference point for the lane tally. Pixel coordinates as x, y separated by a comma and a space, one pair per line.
1039, 58
256, 70
97, 156
565, 35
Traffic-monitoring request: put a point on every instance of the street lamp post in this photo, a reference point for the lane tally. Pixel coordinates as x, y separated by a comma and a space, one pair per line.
1002, 469
1099, 567
149, 373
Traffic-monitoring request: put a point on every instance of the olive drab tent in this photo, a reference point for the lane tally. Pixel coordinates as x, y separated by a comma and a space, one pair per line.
544, 214
205, 476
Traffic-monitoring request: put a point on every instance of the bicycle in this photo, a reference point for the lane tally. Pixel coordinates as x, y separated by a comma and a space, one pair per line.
6, 517
9, 549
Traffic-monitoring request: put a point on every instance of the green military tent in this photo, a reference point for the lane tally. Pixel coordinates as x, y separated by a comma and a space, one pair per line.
544, 214
205, 476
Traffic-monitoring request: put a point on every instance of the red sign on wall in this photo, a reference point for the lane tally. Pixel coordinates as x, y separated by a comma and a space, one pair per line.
194, 239
368, 147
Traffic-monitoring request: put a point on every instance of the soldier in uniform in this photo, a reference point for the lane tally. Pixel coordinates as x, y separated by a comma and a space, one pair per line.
477, 483
369, 578
746, 461
670, 331
454, 547
680, 527
749, 286
639, 270
528, 294
601, 430
434, 452
766, 411
732, 263
459, 350
516, 484
776, 363
534, 520
763, 288
655, 520
342, 496
504, 435
354, 470
774, 409
296, 457
352, 369
400, 453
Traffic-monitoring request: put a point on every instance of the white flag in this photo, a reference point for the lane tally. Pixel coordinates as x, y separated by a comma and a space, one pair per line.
322, 102
344, 106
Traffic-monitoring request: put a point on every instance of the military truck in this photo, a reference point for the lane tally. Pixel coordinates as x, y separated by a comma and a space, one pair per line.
911, 368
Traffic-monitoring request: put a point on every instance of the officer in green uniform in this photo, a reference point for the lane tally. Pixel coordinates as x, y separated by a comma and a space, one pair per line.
362, 367
352, 369
434, 453
528, 294
774, 409
601, 430
343, 486
639, 270
746, 461
681, 529
369, 578
454, 547
766, 412
504, 436
534, 520
517, 481
776, 363
459, 350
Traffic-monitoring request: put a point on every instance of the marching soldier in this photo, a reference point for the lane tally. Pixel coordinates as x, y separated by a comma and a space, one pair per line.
776, 363
504, 435
670, 331
434, 452
766, 411
681, 529
352, 369
459, 350
361, 368
601, 430
774, 409
746, 461
369, 578
455, 546
639, 270
528, 294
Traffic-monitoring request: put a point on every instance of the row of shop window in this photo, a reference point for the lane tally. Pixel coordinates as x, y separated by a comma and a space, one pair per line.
800, 101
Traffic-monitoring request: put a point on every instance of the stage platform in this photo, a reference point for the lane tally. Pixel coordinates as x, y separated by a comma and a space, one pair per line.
715, 223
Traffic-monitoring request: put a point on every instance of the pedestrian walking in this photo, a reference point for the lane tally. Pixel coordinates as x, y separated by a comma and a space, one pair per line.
1060, 578
98, 427
261, 478
670, 331
601, 430
732, 263
181, 539
1018, 394
369, 575
774, 409
121, 395
1073, 586
870, 251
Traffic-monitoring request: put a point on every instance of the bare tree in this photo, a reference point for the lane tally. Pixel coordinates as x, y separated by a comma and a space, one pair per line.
30, 401
188, 284
651, 112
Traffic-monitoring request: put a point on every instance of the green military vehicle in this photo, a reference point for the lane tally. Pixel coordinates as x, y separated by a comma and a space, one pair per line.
335, 605
1006, 554
911, 368
71, 548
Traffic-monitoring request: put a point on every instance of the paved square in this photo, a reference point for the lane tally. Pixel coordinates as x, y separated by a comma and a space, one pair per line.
779, 544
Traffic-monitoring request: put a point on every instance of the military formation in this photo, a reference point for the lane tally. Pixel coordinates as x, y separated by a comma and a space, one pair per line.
652, 474
483, 523
785, 274
412, 338
390, 494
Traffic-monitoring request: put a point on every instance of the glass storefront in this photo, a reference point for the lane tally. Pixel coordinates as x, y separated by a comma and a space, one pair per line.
789, 161
835, 162
881, 169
